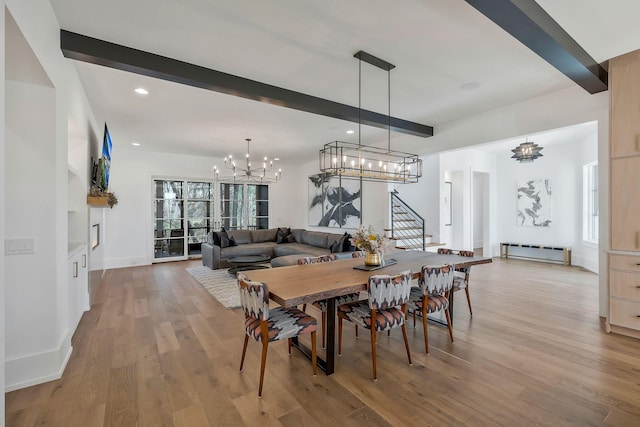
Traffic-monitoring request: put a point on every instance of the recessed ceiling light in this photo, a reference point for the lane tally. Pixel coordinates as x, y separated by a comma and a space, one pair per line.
350, 131
141, 91
276, 158
470, 86
135, 144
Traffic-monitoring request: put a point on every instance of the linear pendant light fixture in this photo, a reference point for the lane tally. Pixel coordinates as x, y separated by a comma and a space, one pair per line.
356, 161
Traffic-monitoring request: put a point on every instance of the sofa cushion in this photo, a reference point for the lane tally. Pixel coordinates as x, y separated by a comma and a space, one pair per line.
314, 238
298, 248
286, 260
297, 234
242, 237
264, 248
266, 235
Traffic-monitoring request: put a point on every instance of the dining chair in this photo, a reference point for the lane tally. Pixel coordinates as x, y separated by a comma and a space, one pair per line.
323, 304
266, 325
461, 275
386, 308
432, 296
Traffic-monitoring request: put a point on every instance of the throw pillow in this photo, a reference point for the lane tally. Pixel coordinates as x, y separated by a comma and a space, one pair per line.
338, 245
282, 234
232, 241
290, 239
348, 247
217, 238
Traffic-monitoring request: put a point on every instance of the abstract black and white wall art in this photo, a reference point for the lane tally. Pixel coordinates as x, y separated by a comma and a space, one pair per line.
334, 202
534, 203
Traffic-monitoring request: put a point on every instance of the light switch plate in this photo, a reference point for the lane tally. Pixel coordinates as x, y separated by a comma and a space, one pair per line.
19, 246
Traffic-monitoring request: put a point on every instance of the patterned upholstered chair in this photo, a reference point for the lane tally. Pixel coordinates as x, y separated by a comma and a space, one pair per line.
386, 308
461, 275
432, 296
266, 325
322, 304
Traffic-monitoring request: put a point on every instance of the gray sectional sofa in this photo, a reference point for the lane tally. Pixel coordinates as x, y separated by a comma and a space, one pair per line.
298, 244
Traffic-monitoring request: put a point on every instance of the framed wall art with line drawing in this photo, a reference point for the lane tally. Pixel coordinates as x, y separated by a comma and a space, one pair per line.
534, 203
334, 202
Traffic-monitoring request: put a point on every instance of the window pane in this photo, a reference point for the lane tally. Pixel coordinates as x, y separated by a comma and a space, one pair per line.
168, 208
168, 189
200, 190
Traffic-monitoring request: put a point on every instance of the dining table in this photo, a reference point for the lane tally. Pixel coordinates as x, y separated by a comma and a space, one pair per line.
296, 285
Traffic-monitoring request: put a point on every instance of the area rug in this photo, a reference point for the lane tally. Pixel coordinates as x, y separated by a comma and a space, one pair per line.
219, 283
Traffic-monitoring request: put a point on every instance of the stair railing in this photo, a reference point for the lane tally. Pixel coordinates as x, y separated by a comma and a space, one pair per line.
406, 223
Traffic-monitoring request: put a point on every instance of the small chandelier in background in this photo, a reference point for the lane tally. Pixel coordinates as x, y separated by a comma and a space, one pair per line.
526, 152
357, 161
244, 173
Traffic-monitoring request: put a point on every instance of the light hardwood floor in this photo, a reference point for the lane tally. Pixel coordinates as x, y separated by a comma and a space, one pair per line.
156, 349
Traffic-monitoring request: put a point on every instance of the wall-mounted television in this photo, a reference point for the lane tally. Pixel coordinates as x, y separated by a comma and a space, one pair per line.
101, 168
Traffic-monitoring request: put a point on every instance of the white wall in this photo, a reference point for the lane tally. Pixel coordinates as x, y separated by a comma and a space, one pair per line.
128, 227
38, 336
458, 167
562, 165
2, 214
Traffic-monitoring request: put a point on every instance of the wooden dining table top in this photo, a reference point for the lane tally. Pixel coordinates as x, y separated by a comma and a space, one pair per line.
304, 284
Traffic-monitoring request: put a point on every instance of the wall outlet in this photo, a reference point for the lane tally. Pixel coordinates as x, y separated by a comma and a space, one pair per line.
19, 246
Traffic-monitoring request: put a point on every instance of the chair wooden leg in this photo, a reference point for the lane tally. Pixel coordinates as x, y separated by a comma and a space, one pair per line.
406, 343
244, 351
466, 290
373, 345
314, 359
414, 318
388, 332
263, 360
304, 307
446, 313
289, 345
424, 326
356, 331
339, 336
324, 328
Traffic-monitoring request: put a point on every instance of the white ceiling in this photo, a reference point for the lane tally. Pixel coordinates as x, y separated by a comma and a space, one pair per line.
308, 46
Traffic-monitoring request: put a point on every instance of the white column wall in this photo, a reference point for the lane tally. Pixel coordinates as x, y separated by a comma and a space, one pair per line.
2, 213
37, 349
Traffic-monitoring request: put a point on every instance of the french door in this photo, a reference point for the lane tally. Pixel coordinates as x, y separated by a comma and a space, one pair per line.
183, 214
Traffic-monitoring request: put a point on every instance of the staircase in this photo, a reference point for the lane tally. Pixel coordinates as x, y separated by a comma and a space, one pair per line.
407, 226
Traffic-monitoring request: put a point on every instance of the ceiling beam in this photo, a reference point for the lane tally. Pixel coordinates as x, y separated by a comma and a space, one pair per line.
528, 22
100, 52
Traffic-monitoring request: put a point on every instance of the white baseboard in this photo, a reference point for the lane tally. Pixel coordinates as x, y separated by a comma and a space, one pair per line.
37, 368
113, 263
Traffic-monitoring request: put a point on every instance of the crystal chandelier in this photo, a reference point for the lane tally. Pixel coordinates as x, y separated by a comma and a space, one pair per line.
246, 172
526, 152
356, 161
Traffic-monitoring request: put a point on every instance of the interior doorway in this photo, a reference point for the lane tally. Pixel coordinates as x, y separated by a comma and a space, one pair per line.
480, 202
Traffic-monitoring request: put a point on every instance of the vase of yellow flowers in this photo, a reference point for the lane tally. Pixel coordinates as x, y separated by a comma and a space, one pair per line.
372, 243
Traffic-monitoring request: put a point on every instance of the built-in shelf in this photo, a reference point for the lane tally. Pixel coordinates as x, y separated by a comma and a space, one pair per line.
98, 201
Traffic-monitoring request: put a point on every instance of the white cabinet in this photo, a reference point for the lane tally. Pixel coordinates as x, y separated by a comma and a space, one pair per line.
78, 283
